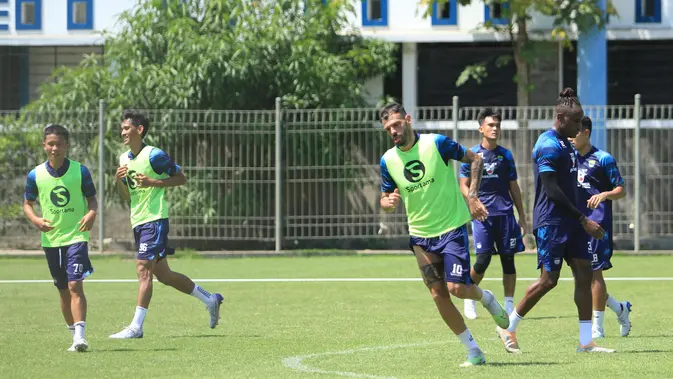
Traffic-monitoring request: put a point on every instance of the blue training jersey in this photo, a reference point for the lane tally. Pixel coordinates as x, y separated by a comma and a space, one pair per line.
597, 172
499, 171
554, 153
448, 149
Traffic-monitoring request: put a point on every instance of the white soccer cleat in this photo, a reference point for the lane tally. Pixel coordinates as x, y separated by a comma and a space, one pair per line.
128, 332
214, 309
80, 345
592, 348
470, 309
597, 332
623, 318
72, 347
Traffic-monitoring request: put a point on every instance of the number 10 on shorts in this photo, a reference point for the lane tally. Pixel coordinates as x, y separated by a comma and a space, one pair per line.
457, 270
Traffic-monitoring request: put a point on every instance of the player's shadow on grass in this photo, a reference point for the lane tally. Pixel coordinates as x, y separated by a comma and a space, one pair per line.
549, 317
644, 351
216, 336
652, 336
525, 363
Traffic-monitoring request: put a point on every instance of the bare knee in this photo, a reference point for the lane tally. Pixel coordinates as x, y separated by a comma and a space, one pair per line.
458, 290
438, 291
144, 271
76, 289
548, 282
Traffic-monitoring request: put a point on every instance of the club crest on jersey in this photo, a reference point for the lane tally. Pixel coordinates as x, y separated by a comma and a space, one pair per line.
592, 163
500, 158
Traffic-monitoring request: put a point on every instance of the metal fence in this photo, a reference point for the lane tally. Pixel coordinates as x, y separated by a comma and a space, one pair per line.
293, 179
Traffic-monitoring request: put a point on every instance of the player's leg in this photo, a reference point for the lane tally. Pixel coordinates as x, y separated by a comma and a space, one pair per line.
185, 285
599, 296
432, 270
602, 254
483, 246
579, 256
550, 249
509, 241
57, 269
79, 267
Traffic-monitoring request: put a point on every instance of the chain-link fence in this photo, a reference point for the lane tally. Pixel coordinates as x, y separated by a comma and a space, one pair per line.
324, 191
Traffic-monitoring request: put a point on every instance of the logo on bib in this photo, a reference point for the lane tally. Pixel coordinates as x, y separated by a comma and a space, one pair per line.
131, 179
414, 171
60, 196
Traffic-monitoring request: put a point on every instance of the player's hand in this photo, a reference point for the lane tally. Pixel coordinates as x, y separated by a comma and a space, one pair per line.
86, 223
593, 229
477, 209
43, 224
143, 181
121, 173
596, 200
390, 202
523, 224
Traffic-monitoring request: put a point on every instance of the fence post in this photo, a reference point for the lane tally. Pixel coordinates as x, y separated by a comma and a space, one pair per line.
454, 114
636, 173
101, 176
278, 180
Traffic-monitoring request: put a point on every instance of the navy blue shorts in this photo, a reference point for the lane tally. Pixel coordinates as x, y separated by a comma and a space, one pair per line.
498, 234
601, 252
454, 248
68, 263
556, 243
152, 240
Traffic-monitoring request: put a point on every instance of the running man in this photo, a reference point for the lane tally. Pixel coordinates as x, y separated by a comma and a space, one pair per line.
600, 183
501, 233
68, 205
560, 228
144, 174
418, 171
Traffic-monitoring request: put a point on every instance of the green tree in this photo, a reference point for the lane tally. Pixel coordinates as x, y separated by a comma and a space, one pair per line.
525, 50
169, 56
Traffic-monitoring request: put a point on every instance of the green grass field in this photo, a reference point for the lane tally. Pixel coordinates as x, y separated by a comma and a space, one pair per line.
358, 329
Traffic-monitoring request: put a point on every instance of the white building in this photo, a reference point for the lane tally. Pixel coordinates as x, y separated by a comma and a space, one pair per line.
37, 36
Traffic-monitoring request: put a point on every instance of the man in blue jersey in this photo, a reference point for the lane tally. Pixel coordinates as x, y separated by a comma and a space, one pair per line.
560, 228
600, 183
500, 233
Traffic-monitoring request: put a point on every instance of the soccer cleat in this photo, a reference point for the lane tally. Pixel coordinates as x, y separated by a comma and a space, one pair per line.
508, 340
623, 318
470, 309
476, 360
80, 345
497, 311
214, 309
597, 332
128, 332
72, 347
592, 348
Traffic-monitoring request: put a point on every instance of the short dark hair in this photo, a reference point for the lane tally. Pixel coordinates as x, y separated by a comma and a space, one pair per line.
389, 109
488, 112
586, 124
137, 119
567, 98
59, 130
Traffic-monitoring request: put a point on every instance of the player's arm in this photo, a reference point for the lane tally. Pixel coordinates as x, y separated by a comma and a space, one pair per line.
123, 189
477, 209
464, 180
89, 191
515, 190
29, 198
390, 194
162, 164
617, 183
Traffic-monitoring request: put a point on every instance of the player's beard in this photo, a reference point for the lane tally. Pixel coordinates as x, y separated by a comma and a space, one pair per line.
402, 138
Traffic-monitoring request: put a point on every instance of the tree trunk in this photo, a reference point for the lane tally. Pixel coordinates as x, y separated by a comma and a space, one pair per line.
522, 65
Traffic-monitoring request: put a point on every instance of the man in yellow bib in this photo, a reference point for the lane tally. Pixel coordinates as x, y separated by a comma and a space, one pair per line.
418, 170
68, 205
142, 178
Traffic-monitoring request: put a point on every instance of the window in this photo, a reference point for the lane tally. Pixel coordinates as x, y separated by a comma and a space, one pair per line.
648, 11
496, 13
80, 14
445, 13
374, 12
28, 14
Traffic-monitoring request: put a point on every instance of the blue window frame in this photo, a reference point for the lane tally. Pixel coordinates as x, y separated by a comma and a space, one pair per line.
4, 27
374, 12
445, 13
28, 14
4, 13
80, 14
496, 13
648, 11
4, 1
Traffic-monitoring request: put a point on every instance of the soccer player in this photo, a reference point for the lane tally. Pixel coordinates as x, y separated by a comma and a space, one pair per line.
500, 233
560, 228
600, 184
418, 171
142, 178
68, 205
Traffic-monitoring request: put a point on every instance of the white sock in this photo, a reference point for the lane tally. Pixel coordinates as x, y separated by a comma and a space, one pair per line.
79, 330
514, 320
468, 341
486, 298
71, 328
585, 332
139, 318
509, 303
201, 294
599, 316
614, 305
